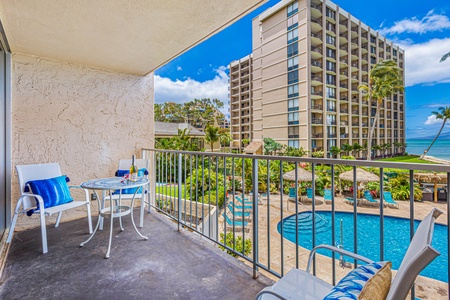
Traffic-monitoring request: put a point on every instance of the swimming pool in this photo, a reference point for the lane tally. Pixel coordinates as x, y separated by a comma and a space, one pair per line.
396, 237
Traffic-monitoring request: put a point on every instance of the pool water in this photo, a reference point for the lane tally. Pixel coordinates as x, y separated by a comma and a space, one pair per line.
396, 238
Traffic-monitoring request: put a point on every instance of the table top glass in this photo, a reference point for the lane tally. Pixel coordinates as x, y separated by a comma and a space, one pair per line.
113, 183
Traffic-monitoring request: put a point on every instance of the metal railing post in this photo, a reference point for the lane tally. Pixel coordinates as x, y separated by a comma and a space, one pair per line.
180, 161
255, 217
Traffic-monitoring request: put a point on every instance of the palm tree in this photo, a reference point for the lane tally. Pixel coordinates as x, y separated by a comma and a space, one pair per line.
335, 151
212, 136
346, 148
356, 148
444, 114
385, 79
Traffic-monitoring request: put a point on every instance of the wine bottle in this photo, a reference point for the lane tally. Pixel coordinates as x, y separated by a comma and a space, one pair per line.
133, 170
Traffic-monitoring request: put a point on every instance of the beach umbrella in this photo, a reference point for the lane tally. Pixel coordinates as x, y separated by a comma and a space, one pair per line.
362, 176
433, 178
302, 175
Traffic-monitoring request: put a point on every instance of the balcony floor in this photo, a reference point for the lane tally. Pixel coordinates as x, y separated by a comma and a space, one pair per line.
169, 265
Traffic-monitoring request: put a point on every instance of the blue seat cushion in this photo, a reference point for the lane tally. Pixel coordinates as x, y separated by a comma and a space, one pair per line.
351, 285
54, 191
121, 173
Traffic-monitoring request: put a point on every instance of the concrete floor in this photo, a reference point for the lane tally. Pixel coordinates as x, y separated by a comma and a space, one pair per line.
169, 265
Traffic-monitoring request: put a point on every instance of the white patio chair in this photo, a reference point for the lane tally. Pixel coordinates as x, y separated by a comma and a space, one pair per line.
27, 200
298, 284
124, 164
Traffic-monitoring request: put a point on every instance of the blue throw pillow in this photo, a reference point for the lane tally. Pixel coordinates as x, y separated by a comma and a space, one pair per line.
351, 285
121, 173
54, 191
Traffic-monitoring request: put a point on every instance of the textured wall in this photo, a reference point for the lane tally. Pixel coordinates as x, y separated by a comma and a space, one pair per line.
84, 118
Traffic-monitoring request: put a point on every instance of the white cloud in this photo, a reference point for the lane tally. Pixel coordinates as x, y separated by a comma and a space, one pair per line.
167, 90
179, 68
431, 120
431, 22
422, 62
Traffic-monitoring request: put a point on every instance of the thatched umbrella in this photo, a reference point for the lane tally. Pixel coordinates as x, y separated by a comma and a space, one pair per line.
302, 175
433, 178
362, 176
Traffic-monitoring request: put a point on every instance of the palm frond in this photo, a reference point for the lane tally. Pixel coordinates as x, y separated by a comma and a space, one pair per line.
445, 57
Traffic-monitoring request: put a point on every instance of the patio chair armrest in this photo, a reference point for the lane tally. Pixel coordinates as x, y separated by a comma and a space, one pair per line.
337, 250
38, 198
86, 192
279, 294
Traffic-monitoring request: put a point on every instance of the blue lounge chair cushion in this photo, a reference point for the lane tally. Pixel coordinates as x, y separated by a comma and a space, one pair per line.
54, 191
388, 198
369, 197
309, 193
291, 192
351, 285
327, 194
121, 173
235, 223
237, 212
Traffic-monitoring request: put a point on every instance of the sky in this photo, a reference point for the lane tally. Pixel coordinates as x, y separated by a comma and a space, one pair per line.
421, 28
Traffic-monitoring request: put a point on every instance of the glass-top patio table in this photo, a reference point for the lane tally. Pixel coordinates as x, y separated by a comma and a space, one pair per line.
113, 211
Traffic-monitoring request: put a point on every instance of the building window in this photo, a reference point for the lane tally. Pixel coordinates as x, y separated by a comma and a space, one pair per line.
292, 22
292, 8
331, 40
331, 119
331, 143
292, 35
331, 53
292, 49
373, 60
331, 79
331, 105
293, 144
293, 76
293, 104
331, 66
293, 90
293, 132
373, 50
373, 39
292, 63
293, 118
394, 52
330, 26
331, 92
331, 13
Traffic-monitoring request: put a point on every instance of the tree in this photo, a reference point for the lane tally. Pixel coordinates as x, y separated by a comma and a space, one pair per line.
212, 136
385, 79
271, 147
346, 148
377, 149
245, 142
444, 114
335, 151
356, 148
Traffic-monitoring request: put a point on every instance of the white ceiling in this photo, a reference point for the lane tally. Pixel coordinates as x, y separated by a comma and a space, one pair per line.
130, 36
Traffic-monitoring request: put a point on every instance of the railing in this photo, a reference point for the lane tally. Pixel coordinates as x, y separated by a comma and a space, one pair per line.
317, 20
319, 107
316, 35
316, 78
231, 198
316, 121
316, 6
316, 49
317, 135
344, 111
316, 63
317, 93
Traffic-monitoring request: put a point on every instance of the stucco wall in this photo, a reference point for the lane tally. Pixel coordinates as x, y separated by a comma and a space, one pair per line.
84, 118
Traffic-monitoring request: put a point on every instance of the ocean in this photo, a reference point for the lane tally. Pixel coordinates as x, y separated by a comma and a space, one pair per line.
440, 149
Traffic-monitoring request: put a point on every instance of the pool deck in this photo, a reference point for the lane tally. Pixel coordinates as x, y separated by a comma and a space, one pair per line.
426, 288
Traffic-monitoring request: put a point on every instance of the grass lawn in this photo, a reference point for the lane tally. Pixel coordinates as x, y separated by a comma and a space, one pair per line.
171, 190
408, 159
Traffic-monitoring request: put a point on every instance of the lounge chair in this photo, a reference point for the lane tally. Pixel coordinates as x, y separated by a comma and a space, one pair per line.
350, 200
298, 284
387, 196
368, 199
327, 196
238, 225
238, 213
239, 207
245, 202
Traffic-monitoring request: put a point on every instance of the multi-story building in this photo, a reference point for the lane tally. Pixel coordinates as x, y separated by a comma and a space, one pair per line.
240, 100
309, 57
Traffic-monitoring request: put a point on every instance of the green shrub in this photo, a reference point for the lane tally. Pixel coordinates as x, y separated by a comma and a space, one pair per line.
237, 243
210, 197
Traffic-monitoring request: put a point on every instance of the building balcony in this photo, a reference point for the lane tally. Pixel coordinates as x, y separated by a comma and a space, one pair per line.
317, 107
344, 136
331, 135
343, 111
316, 121
178, 227
317, 135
